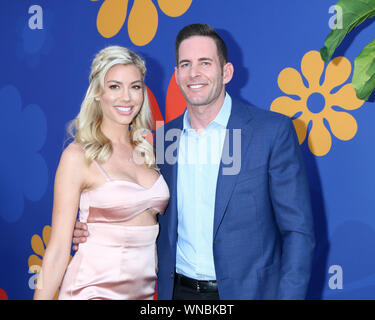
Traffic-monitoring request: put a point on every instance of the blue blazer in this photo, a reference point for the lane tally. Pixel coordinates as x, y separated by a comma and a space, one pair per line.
263, 237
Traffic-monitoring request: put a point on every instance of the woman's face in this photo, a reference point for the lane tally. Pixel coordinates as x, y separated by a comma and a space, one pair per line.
122, 97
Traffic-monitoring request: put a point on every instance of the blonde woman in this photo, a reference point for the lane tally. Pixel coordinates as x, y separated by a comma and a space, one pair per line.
109, 173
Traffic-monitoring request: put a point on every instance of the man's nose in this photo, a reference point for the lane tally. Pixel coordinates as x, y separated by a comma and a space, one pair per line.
194, 70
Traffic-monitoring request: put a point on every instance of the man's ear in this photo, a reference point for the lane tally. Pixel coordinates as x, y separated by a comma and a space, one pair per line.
228, 71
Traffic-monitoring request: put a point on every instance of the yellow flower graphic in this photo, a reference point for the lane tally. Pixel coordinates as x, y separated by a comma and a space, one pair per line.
39, 247
143, 17
342, 125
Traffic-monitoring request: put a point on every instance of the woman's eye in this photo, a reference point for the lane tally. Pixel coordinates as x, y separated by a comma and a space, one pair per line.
137, 87
114, 86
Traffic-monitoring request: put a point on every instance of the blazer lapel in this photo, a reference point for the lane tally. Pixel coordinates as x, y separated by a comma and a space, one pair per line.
169, 170
227, 176
172, 214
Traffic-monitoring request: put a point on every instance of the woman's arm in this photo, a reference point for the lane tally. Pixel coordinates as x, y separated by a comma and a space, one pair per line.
69, 182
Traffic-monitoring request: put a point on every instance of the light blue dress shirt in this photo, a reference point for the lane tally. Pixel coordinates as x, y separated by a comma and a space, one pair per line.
199, 159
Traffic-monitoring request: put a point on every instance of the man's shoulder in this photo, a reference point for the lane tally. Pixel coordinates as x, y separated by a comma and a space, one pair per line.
260, 115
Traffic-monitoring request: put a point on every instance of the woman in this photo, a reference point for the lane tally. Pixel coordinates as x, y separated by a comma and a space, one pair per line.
109, 172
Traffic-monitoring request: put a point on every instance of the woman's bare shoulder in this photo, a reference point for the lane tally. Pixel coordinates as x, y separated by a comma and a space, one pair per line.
74, 155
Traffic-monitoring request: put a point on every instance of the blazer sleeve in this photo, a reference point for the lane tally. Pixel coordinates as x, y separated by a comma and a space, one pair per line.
290, 198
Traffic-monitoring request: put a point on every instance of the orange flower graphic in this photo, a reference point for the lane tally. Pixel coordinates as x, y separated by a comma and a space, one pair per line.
39, 247
143, 17
318, 103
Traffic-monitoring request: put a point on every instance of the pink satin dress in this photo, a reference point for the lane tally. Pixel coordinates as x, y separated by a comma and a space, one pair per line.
116, 262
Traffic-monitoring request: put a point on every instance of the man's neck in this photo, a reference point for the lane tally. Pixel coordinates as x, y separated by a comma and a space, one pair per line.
202, 116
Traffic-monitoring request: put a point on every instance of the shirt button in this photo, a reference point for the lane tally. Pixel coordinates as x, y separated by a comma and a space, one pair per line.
172, 275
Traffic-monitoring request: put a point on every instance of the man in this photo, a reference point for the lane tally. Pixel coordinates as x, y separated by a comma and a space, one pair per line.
239, 230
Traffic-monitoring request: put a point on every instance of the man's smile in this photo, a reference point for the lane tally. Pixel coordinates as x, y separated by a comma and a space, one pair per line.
196, 85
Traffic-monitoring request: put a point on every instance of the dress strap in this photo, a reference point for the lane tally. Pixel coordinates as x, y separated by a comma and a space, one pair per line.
102, 170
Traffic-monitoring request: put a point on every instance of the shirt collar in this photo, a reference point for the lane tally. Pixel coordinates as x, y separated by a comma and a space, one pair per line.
221, 118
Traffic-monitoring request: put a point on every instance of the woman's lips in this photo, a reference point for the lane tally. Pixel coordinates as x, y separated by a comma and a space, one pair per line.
122, 110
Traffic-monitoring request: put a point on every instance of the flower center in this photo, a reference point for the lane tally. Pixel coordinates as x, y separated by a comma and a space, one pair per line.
316, 102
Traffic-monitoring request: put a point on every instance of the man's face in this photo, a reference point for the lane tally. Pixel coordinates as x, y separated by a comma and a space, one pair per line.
199, 73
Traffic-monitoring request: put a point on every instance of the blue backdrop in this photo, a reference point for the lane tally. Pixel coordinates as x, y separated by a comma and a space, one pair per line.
47, 48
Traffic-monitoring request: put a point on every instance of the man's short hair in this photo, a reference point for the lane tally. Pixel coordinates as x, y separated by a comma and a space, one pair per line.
205, 30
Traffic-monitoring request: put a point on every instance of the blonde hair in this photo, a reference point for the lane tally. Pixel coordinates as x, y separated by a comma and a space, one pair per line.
85, 128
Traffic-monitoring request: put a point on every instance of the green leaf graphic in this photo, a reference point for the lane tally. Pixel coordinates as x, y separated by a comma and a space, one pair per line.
354, 12
364, 72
